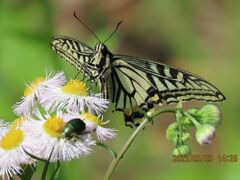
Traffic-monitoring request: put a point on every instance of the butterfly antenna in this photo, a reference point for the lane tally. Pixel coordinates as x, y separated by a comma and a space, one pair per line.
86, 27
113, 32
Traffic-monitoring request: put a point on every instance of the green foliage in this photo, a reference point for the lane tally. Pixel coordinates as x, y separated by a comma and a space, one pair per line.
202, 36
28, 172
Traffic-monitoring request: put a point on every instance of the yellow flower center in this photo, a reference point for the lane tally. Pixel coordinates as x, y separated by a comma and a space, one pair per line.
53, 126
92, 118
16, 123
33, 86
75, 87
12, 139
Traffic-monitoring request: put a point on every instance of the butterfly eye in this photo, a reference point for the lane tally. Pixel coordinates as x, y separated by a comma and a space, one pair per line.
104, 50
103, 47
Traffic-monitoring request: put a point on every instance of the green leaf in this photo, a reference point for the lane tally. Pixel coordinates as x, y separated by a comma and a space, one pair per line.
55, 172
114, 154
172, 132
44, 173
28, 171
34, 157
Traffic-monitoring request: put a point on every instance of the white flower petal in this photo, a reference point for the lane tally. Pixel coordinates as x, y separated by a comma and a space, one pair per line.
28, 103
62, 149
3, 127
25, 106
105, 133
12, 159
8, 170
102, 133
56, 100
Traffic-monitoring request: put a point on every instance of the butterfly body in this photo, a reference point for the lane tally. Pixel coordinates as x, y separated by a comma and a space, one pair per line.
132, 83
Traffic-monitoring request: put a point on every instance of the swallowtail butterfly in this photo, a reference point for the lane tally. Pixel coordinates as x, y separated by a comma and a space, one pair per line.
132, 83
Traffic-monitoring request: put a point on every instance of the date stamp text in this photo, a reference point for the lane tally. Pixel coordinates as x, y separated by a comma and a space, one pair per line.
221, 158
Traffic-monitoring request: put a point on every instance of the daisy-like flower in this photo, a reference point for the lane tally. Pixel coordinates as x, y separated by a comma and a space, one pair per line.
34, 91
73, 96
12, 154
94, 123
3, 127
47, 132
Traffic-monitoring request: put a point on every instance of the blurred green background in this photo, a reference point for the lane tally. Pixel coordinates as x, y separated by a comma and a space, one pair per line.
201, 36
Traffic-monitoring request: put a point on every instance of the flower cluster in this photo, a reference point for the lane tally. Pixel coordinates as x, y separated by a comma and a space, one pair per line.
57, 119
205, 120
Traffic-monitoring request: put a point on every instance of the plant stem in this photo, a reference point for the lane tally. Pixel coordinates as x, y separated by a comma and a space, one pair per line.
46, 166
197, 124
124, 149
56, 170
131, 139
173, 110
114, 154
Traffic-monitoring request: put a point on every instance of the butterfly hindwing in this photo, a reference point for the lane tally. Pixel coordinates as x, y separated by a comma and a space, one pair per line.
174, 84
138, 83
130, 87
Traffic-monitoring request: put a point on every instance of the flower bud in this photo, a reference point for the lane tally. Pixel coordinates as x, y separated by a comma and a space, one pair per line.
172, 132
210, 115
186, 122
205, 134
193, 111
182, 150
185, 136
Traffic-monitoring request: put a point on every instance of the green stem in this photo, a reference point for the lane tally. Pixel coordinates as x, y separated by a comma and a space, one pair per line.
56, 170
167, 111
45, 170
114, 154
46, 166
197, 124
178, 119
125, 147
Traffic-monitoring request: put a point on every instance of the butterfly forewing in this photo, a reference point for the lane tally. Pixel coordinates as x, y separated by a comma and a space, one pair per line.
73, 51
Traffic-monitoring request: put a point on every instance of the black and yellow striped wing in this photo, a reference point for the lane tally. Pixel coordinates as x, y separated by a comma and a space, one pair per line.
137, 83
134, 84
73, 51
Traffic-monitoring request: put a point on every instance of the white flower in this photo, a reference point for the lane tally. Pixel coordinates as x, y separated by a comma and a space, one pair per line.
73, 96
3, 127
47, 130
94, 123
12, 154
34, 91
